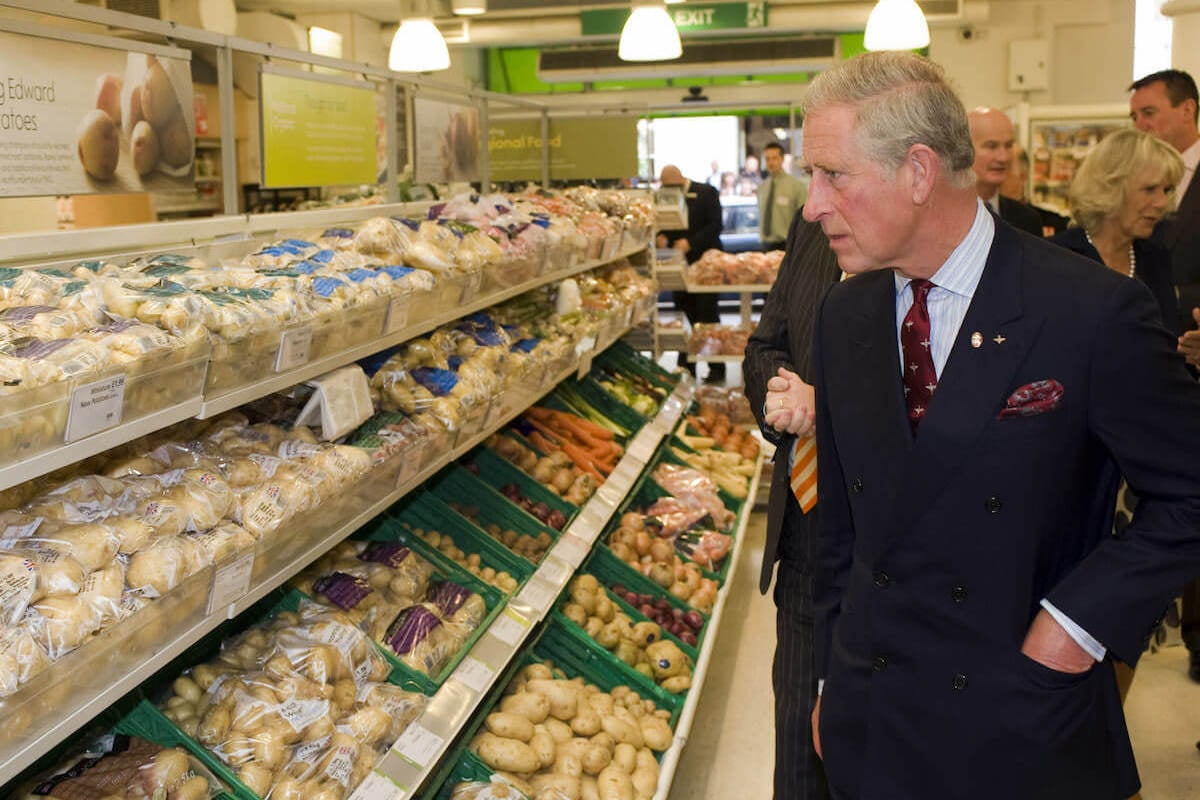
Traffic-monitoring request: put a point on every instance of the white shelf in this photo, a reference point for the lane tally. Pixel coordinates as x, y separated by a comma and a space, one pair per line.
714, 359
731, 288
398, 776
88, 680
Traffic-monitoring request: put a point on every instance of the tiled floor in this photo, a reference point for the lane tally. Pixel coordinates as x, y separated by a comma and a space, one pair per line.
729, 752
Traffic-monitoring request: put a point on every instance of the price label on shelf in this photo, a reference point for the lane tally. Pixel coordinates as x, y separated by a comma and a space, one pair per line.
641, 449
418, 745
572, 549
295, 346
510, 627
474, 674
377, 786
586, 345
231, 581
555, 571
537, 595
397, 313
95, 407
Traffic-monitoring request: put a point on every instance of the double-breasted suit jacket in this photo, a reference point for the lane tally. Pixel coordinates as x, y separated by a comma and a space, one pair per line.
936, 551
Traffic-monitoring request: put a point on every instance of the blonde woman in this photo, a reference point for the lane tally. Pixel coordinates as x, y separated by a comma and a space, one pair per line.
1120, 192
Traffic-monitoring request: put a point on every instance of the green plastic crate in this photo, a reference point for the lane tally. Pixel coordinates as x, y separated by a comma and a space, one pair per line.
496, 472
403, 675
424, 510
599, 398
612, 571
495, 510
147, 722
622, 356
457, 481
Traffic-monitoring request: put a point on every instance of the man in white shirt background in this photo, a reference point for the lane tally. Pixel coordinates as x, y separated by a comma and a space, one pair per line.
779, 198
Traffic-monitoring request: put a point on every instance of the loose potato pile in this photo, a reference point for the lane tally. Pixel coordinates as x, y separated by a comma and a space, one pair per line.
529, 547
468, 561
638, 644
555, 738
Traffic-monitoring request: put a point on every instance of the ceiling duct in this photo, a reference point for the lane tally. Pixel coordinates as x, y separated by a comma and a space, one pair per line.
758, 56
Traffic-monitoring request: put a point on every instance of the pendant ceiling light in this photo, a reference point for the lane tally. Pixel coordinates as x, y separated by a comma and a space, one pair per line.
469, 7
418, 45
649, 35
896, 25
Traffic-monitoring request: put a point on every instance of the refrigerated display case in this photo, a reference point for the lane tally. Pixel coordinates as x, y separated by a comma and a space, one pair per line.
1057, 138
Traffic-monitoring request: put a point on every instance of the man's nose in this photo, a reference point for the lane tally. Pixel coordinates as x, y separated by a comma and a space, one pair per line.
815, 206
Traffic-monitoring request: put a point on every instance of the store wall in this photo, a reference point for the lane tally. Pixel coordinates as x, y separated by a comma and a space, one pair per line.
1090, 46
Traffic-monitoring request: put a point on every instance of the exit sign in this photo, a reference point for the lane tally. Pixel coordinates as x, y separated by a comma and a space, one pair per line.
688, 19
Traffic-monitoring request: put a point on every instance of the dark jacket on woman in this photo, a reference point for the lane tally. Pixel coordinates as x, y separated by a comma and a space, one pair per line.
1152, 267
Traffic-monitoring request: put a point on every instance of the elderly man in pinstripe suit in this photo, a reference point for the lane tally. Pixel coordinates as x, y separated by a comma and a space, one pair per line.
777, 366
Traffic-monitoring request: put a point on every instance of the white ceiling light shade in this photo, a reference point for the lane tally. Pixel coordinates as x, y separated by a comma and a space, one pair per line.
469, 7
418, 46
896, 25
649, 35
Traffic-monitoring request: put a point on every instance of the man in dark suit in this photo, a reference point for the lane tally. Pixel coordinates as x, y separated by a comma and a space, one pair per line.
778, 372
1165, 104
979, 393
703, 233
994, 139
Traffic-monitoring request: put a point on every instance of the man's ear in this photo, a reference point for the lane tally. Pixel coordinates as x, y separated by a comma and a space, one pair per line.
924, 169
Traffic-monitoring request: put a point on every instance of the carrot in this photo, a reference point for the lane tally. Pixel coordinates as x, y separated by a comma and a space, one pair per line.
586, 425
582, 460
542, 443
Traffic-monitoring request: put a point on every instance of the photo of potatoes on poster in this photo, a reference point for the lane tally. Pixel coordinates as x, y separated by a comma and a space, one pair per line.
81, 119
448, 141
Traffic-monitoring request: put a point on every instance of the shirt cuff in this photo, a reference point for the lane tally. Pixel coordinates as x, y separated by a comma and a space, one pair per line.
1081, 637
820, 686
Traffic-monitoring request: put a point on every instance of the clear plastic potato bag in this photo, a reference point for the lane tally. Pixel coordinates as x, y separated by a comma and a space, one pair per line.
21, 658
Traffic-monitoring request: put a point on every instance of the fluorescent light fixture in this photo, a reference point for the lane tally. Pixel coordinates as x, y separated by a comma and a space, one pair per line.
673, 2
324, 42
468, 7
418, 46
896, 25
649, 35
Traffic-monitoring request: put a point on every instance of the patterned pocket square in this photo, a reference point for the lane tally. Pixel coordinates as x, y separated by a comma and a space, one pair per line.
1032, 399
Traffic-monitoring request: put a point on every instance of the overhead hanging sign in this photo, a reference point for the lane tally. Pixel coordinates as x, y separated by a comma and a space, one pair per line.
317, 130
86, 119
580, 148
688, 18
447, 141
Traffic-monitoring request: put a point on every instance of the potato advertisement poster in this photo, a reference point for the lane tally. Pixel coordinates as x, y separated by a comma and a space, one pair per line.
580, 148
448, 141
79, 119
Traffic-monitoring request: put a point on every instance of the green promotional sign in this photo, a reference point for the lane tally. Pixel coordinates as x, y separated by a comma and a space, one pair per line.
316, 131
580, 148
688, 18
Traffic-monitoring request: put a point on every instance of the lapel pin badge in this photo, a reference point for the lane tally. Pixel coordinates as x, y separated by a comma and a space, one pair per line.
999, 339
977, 340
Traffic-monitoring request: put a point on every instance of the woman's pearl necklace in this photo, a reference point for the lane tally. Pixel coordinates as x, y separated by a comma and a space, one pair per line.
1132, 257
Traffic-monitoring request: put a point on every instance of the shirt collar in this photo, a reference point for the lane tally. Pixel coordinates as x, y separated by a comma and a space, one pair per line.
1191, 156
961, 272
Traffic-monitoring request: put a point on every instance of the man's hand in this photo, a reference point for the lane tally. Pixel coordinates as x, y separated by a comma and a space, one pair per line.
683, 246
1189, 343
816, 728
791, 404
1050, 645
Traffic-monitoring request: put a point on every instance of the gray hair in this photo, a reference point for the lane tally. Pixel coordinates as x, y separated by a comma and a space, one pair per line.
1101, 183
900, 99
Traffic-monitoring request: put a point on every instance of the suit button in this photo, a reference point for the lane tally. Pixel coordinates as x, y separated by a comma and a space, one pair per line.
959, 682
879, 664
994, 505
856, 486
958, 594
882, 579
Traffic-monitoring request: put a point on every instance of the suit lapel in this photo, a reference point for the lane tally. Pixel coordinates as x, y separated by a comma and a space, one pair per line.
877, 405
1188, 213
974, 382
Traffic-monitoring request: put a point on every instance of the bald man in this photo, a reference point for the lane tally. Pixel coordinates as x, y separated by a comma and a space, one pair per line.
993, 137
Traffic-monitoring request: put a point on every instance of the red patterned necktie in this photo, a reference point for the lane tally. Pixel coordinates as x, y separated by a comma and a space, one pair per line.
920, 378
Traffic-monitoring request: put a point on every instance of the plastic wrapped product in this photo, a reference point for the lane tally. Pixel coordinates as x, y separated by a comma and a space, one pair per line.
496, 790
415, 638
21, 658
18, 587
163, 565
223, 541
457, 605
43, 321
103, 592
61, 623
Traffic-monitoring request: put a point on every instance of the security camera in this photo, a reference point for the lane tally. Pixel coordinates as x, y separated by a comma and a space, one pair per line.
966, 33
